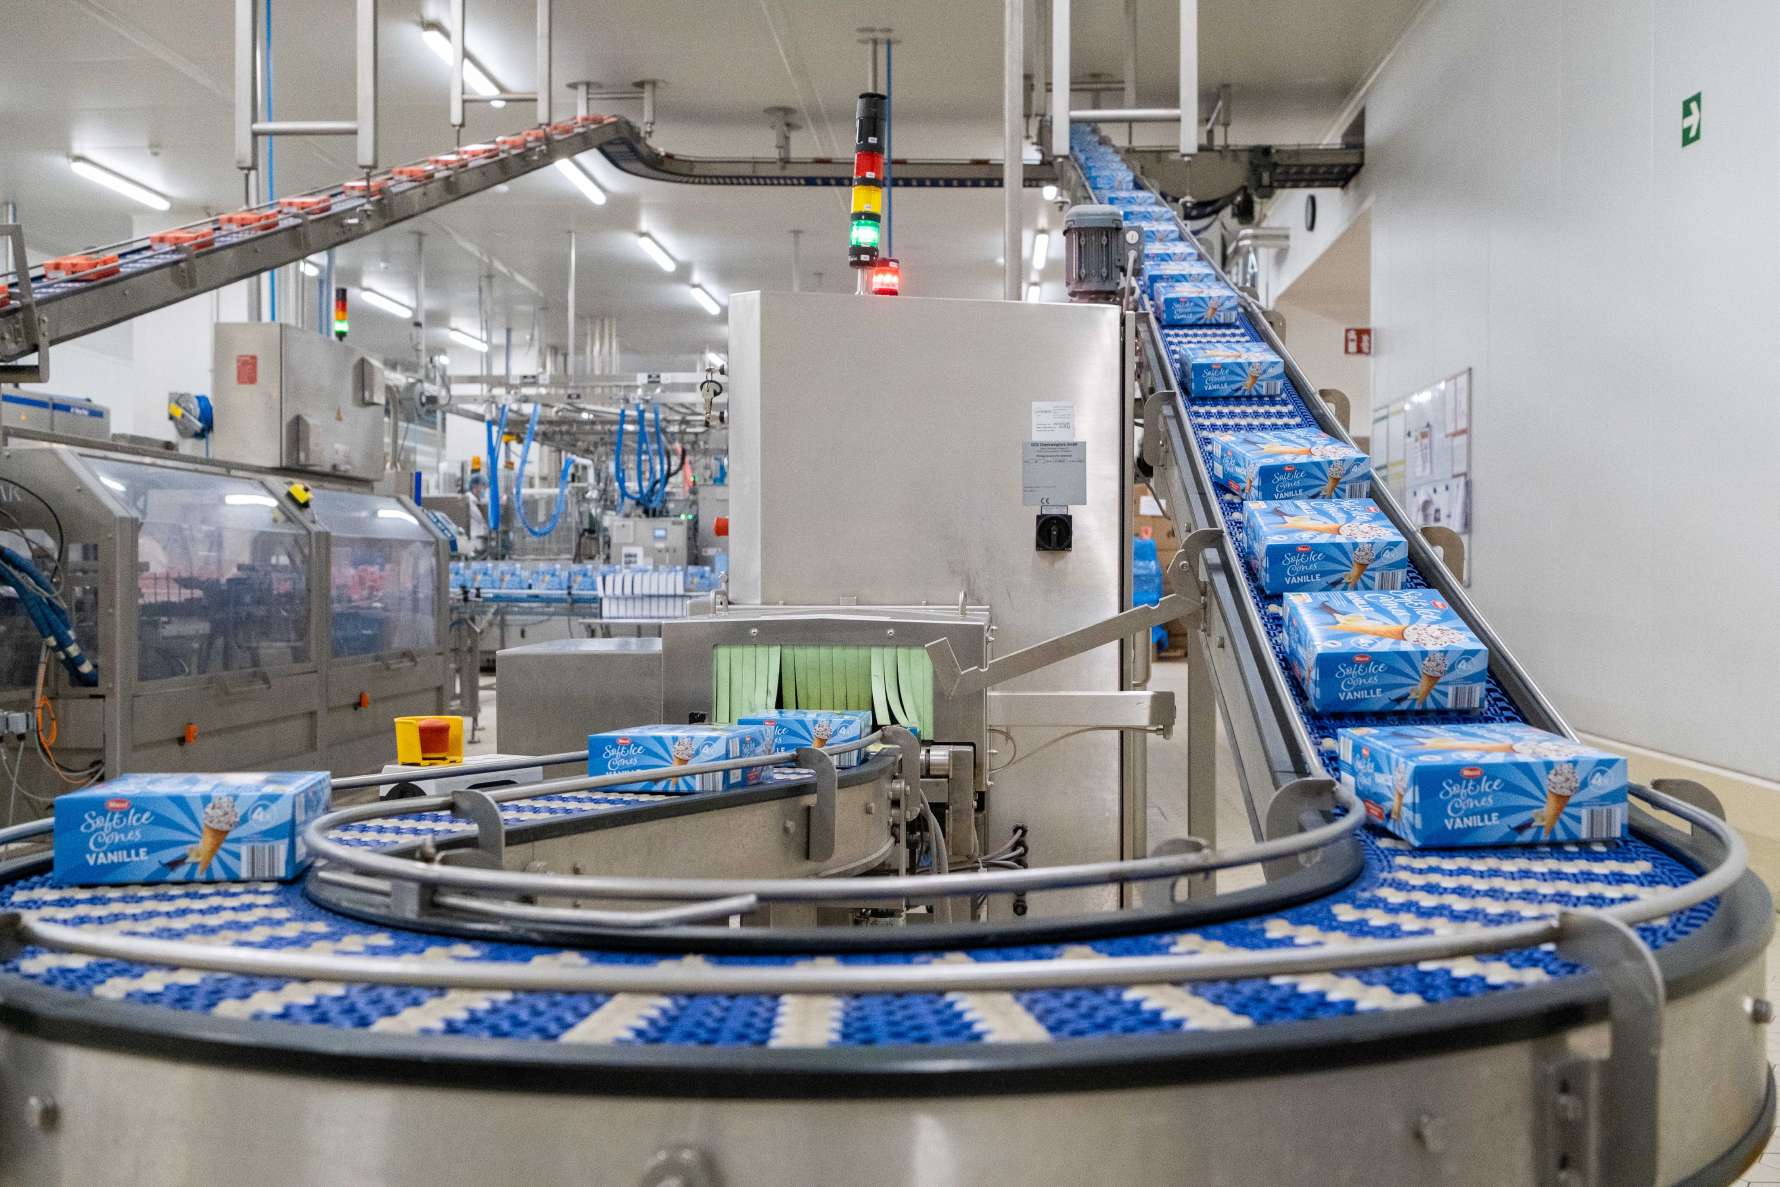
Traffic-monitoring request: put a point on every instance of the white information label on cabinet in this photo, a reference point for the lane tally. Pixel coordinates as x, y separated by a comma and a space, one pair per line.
1054, 473
1053, 420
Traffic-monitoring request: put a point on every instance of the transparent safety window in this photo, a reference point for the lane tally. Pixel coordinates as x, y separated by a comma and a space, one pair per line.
222, 572
385, 578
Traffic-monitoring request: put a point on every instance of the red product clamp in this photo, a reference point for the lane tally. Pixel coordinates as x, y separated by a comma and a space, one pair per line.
510, 143
81, 267
361, 187
479, 152
250, 220
308, 205
412, 172
449, 160
196, 238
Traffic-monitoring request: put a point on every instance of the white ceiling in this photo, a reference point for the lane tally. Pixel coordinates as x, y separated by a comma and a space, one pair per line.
145, 87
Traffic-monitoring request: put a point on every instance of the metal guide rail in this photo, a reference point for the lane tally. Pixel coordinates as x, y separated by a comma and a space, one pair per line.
102, 286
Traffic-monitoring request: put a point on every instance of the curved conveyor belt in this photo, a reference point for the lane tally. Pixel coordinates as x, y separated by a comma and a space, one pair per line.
1446, 1070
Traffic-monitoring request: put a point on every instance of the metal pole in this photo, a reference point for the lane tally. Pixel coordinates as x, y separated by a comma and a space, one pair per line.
1012, 144
1130, 62
252, 282
571, 360
871, 48
544, 81
1041, 71
796, 263
367, 84
1189, 77
246, 101
889, 124
1060, 77
420, 299
457, 64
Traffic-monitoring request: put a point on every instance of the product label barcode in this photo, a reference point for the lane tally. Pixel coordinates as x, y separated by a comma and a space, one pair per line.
262, 861
1390, 579
1465, 696
1602, 824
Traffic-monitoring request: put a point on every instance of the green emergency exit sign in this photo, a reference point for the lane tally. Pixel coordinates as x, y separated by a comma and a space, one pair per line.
1690, 120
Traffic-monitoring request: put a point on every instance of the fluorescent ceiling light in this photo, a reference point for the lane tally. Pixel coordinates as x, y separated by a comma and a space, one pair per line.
377, 300
589, 189
310, 268
1041, 250
1032, 291
118, 183
463, 338
656, 252
1049, 193
250, 500
706, 300
476, 78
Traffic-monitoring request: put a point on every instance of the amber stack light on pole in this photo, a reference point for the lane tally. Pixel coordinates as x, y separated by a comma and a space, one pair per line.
866, 228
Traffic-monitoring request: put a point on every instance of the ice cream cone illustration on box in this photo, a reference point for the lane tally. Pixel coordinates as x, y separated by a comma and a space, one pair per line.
1357, 529
1433, 668
1413, 633
1254, 377
1364, 555
821, 732
682, 751
220, 818
1561, 783
1399, 788
1336, 469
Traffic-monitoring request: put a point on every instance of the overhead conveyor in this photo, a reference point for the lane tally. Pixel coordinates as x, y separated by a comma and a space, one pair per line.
102, 286
537, 983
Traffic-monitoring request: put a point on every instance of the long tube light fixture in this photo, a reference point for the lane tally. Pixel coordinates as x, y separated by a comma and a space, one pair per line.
465, 338
118, 183
475, 77
656, 252
580, 180
1041, 249
388, 304
706, 300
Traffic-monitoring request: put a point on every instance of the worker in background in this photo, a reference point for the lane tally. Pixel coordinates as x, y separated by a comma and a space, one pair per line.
478, 517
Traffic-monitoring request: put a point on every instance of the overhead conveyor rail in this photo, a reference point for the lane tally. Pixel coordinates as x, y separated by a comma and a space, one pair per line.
103, 286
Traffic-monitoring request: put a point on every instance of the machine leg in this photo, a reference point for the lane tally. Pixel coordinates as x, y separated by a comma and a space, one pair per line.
1202, 753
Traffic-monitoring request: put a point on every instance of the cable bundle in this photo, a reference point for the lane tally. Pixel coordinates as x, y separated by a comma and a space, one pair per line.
47, 614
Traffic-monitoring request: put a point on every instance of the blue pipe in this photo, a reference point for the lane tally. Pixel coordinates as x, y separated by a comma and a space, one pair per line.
47, 614
624, 495
562, 487
493, 432
645, 486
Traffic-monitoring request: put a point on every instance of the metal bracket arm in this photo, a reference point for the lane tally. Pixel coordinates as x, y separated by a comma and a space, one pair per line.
36, 332
1187, 602
822, 812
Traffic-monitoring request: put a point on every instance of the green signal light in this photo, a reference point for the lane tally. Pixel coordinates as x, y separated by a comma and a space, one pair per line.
865, 234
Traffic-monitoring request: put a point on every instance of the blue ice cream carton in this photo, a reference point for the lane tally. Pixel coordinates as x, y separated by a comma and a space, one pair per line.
1497, 784
1212, 304
645, 747
790, 728
1290, 464
1159, 232
1133, 199
1383, 652
238, 826
1217, 369
1177, 252
1326, 544
1157, 273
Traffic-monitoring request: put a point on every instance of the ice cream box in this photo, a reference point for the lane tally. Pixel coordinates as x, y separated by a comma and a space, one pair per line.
1148, 215
1157, 273
645, 747
1290, 464
1325, 544
1383, 651
1504, 784
240, 826
1132, 199
1191, 304
790, 728
1158, 232
1178, 252
1231, 369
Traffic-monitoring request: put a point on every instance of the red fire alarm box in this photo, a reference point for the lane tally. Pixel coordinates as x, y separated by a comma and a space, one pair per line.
1359, 340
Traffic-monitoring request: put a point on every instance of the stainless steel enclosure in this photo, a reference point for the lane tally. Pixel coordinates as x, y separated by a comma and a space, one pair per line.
290, 398
880, 452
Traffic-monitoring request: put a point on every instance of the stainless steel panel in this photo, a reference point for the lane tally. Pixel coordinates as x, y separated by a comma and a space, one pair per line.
639, 540
552, 695
913, 415
289, 397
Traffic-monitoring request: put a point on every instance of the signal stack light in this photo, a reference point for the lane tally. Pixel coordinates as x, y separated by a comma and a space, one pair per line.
340, 314
867, 225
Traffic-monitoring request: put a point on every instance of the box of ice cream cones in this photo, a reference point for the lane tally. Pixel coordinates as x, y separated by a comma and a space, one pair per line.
233, 827
647, 747
1160, 273
1323, 544
790, 728
1179, 252
1289, 464
1383, 651
1231, 369
1195, 304
1491, 784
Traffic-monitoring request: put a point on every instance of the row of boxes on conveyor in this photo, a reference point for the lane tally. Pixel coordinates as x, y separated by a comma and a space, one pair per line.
1364, 638
617, 591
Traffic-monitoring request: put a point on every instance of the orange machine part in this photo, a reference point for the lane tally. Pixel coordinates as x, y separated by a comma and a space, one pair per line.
720, 526
190, 734
363, 702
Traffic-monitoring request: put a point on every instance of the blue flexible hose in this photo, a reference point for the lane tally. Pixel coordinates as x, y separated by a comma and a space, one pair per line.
562, 487
493, 432
645, 460
47, 614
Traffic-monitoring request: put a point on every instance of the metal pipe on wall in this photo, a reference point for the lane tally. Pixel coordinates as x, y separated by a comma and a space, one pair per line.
544, 80
1060, 96
796, 263
1189, 77
1130, 53
367, 84
1012, 142
571, 321
457, 63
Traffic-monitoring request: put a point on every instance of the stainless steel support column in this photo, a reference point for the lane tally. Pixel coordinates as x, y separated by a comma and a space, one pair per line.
367, 84
457, 64
247, 108
1189, 77
1134, 651
1012, 143
796, 261
544, 92
1202, 752
571, 357
1060, 77
1130, 53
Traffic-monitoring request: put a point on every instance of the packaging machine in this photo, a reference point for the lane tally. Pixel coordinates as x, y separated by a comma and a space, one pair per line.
542, 983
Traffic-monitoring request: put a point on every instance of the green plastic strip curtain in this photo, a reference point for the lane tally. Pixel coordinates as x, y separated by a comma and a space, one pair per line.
894, 683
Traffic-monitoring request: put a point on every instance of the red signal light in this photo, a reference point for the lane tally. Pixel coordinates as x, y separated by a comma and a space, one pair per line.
886, 278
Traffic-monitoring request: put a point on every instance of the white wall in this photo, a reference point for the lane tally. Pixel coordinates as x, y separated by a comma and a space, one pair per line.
1318, 344
1536, 219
